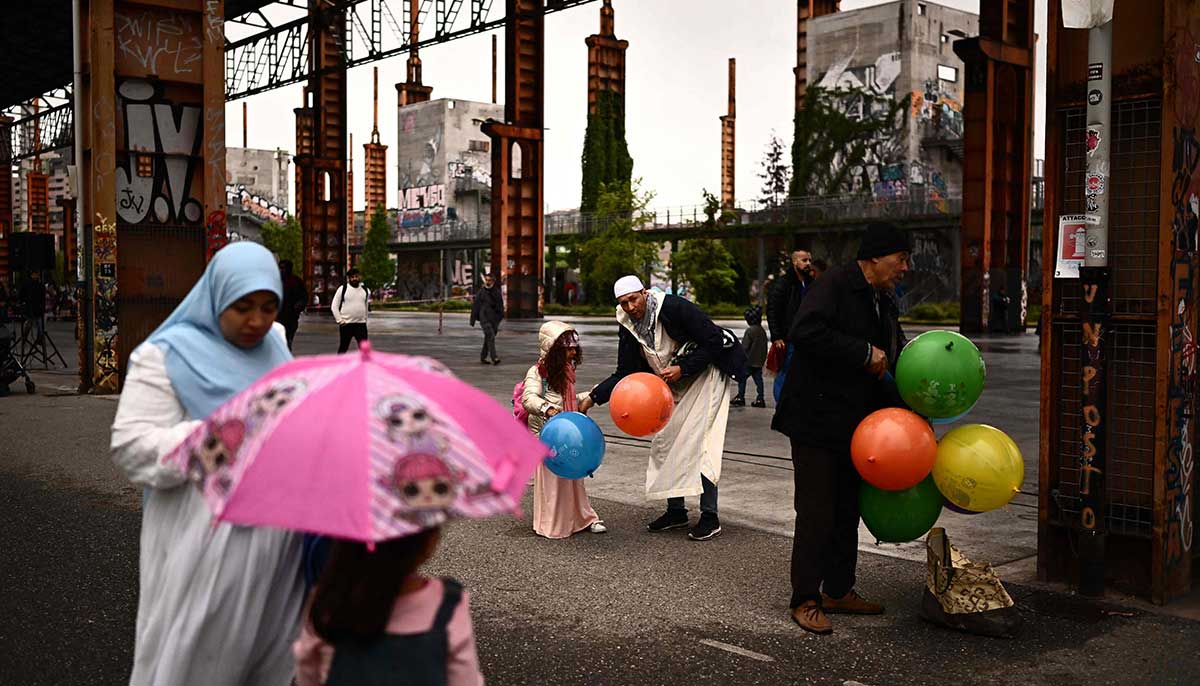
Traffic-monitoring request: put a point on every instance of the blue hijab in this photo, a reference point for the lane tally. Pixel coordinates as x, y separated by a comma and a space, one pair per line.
204, 368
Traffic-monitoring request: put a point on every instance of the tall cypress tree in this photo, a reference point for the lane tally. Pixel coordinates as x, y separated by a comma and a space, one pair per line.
376, 262
606, 160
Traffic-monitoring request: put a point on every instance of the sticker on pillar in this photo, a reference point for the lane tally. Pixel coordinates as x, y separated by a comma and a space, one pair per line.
1072, 245
1095, 71
1095, 97
1093, 204
1097, 254
1094, 184
1092, 140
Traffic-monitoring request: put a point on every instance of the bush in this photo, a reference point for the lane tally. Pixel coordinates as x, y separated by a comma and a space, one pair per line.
935, 312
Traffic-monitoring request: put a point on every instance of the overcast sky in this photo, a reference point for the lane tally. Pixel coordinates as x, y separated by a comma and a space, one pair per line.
676, 90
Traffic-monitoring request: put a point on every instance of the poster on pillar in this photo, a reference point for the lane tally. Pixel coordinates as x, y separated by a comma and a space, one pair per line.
1072, 244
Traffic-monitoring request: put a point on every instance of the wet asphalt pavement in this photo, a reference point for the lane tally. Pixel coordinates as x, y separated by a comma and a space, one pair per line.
627, 607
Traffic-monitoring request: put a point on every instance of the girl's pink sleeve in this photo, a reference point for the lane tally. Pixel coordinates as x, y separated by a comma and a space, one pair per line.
313, 657
462, 664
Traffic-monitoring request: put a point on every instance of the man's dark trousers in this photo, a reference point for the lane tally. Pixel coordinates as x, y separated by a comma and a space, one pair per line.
489, 342
826, 500
347, 331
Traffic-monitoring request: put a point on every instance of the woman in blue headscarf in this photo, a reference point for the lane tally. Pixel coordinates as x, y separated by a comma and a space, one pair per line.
219, 606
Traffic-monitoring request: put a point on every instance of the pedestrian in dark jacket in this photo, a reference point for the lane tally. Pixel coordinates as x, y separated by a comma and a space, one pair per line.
754, 342
782, 304
846, 337
295, 296
670, 337
488, 310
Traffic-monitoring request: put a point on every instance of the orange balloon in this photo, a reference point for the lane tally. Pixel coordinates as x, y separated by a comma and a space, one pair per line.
641, 404
893, 449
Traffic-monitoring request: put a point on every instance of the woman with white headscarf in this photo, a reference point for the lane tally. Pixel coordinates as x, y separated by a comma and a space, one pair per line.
218, 605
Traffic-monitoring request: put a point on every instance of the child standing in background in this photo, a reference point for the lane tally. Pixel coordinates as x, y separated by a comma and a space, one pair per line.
373, 619
755, 343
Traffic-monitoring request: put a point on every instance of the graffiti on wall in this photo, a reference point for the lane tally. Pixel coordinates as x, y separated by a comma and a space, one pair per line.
479, 173
156, 187
104, 253
257, 205
1182, 387
157, 41
938, 111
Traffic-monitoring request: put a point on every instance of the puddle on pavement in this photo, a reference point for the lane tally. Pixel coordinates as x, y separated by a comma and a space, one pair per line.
1071, 607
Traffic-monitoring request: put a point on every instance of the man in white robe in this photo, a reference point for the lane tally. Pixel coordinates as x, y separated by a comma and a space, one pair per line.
672, 338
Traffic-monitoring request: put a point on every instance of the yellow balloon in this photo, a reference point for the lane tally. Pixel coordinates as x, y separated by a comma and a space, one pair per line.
978, 468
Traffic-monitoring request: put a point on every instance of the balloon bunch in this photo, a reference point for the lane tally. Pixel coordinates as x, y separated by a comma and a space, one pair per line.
907, 474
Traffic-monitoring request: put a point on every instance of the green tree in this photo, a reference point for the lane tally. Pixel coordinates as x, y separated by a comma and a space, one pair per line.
706, 263
775, 173
614, 249
837, 133
286, 241
606, 160
376, 262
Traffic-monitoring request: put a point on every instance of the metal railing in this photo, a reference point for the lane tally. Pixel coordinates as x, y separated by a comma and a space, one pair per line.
798, 210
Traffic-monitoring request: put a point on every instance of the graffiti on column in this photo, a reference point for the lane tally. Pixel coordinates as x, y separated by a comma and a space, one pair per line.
154, 185
1093, 390
157, 41
105, 260
1181, 391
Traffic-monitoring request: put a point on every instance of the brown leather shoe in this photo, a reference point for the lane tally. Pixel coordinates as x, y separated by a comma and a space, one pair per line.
812, 618
850, 604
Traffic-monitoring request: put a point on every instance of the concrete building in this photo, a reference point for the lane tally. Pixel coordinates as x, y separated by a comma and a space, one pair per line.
901, 49
264, 173
444, 163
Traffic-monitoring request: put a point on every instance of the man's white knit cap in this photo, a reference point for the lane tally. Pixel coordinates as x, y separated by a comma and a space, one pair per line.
626, 285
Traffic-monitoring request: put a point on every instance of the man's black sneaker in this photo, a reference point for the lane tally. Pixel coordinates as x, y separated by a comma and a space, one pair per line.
708, 526
759, 403
738, 402
671, 519
496, 360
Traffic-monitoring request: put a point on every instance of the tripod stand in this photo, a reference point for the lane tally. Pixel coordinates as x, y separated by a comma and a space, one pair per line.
34, 339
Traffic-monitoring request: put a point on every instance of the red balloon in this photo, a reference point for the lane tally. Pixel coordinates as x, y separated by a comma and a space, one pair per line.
641, 404
893, 449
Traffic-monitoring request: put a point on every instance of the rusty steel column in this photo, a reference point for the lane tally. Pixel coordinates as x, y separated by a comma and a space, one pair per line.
517, 193
37, 186
998, 165
807, 10
350, 229
68, 239
152, 117
6, 207
606, 60
321, 152
374, 165
413, 91
728, 139
1176, 505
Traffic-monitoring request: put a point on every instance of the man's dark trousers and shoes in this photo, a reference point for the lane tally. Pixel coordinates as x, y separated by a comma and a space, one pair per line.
489, 343
676, 515
347, 331
825, 546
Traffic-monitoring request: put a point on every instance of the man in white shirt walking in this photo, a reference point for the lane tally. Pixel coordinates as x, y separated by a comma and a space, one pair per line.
351, 303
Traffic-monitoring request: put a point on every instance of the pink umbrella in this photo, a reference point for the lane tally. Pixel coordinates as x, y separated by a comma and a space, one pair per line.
364, 447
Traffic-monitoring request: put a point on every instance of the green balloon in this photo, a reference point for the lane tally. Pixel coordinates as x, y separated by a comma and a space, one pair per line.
900, 516
940, 374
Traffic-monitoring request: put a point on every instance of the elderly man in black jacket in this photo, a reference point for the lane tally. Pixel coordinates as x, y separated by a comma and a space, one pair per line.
671, 337
846, 337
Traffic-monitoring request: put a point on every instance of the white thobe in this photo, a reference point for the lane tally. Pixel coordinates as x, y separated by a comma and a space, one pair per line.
218, 606
693, 440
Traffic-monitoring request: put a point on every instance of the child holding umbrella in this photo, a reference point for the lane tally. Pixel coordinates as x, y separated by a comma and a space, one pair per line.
560, 506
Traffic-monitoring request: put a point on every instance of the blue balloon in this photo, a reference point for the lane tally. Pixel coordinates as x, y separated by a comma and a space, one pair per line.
951, 420
576, 445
